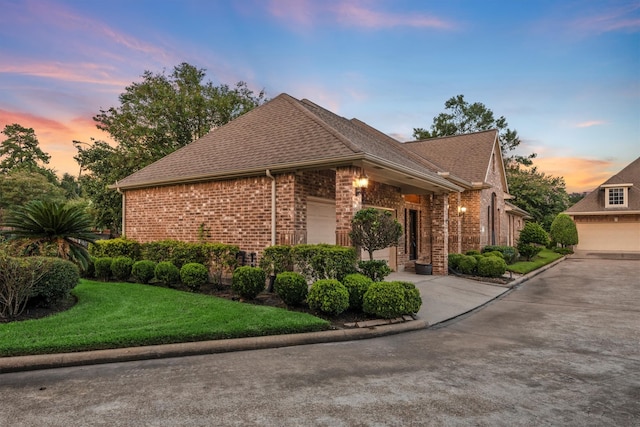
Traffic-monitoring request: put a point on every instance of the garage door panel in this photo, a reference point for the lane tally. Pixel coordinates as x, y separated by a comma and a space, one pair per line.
321, 222
623, 237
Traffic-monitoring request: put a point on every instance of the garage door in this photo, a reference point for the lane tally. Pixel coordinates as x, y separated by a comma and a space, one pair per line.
622, 237
321, 221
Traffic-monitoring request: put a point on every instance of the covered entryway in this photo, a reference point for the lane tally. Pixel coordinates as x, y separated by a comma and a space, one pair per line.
321, 221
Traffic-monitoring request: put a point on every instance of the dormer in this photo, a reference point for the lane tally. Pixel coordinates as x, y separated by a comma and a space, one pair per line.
616, 195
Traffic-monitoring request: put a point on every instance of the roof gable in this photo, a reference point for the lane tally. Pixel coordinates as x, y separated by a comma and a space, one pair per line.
594, 201
467, 156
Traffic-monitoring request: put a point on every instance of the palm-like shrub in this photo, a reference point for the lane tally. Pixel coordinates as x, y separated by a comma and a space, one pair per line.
42, 223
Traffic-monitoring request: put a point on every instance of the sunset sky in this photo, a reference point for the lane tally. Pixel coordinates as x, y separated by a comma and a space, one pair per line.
565, 74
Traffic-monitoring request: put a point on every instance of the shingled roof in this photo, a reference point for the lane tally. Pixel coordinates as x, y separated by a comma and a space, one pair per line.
466, 156
594, 202
281, 135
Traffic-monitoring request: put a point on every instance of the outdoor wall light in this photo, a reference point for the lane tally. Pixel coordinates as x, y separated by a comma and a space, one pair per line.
361, 183
462, 210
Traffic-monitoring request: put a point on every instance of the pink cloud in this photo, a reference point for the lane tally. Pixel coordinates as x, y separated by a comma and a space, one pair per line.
350, 13
615, 19
55, 137
590, 123
73, 72
579, 174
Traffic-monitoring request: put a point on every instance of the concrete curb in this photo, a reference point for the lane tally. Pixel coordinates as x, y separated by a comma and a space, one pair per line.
49, 361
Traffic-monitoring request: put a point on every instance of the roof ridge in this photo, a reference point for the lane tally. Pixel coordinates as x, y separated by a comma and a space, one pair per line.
335, 132
453, 136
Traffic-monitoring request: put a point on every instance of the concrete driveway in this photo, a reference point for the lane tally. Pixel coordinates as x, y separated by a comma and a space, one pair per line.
563, 349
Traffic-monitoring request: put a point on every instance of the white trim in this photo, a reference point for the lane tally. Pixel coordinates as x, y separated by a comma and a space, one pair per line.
607, 197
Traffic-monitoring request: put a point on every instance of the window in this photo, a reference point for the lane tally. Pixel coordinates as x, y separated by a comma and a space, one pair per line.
616, 197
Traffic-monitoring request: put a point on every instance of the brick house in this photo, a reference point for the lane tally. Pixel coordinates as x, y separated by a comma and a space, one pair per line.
480, 215
287, 172
608, 218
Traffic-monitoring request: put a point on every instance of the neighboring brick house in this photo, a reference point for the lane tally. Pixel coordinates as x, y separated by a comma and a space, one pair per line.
286, 173
608, 218
481, 215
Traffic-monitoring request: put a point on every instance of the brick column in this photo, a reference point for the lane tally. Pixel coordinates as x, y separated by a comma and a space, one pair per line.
440, 234
347, 203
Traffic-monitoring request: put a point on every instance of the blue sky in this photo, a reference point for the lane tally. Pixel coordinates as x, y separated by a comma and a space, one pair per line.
565, 74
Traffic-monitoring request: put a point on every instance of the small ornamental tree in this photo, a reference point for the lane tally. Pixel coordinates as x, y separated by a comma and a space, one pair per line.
373, 229
532, 239
564, 231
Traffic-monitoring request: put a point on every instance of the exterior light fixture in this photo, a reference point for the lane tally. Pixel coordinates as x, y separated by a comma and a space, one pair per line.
462, 210
361, 183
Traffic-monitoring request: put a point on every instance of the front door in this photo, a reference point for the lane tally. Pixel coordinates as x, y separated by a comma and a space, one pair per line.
412, 232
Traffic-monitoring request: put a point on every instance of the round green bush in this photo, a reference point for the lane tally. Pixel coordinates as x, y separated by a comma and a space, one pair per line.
491, 266
167, 273
143, 271
194, 275
90, 271
121, 268
472, 252
467, 264
58, 279
385, 299
291, 287
375, 269
329, 296
493, 253
357, 284
413, 300
248, 282
454, 260
102, 267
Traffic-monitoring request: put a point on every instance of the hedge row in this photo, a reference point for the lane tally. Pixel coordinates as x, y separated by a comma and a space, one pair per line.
490, 263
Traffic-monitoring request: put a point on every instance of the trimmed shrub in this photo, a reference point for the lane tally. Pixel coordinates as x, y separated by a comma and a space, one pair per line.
357, 284
177, 252
102, 268
413, 300
563, 251
491, 266
114, 248
143, 271
385, 299
291, 287
57, 279
528, 250
509, 253
194, 275
90, 271
467, 264
276, 259
121, 268
533, 233
221, 258
493, 253
248, 282
376, 270
17, 279
564, 231
329, 296
167, 273
454, 260
324, 261
472, 252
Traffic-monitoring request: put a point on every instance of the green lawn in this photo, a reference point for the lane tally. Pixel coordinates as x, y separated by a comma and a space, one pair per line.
113, 315
546, 256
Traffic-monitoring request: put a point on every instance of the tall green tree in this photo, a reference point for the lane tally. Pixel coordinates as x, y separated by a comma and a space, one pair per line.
21, 150
20, 186
542, 195
461, 117
156, 116
564, 231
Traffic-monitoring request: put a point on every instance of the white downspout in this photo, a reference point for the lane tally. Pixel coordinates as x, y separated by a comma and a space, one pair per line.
273, 207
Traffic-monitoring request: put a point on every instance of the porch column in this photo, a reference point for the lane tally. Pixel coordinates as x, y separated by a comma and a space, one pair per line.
440, 234
347, 203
